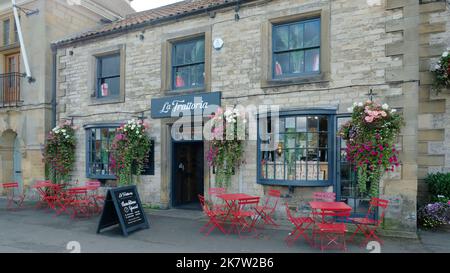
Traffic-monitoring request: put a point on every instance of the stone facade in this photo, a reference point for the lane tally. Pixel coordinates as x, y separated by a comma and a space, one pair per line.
367, 47
28, 122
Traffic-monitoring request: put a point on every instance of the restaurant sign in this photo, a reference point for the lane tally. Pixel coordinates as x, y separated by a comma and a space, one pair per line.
193, 104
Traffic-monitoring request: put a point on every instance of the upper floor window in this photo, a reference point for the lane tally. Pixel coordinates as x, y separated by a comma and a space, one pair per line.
6, 32
296, 48
188, 64
108, 76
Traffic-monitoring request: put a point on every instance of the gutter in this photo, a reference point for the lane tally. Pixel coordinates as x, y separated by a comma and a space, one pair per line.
152, 22
54, 79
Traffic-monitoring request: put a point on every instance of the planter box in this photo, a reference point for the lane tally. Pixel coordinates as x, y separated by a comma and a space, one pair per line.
444, 228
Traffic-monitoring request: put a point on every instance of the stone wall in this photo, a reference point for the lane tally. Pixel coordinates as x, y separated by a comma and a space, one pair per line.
370, 47
434, 116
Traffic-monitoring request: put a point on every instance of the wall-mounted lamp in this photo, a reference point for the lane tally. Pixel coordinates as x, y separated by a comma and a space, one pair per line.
280, 149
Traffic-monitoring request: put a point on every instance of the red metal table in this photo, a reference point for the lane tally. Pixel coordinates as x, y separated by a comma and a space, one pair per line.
48, 192
232, 200
327, 209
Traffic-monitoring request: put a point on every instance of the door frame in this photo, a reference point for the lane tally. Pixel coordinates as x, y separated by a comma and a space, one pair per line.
173, 166
17, 158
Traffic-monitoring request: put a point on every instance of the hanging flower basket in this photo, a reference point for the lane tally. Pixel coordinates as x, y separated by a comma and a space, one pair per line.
59, 152
130, 148
225, 155
370, 136
441, 72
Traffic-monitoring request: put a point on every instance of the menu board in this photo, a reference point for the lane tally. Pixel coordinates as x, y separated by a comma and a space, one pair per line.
123, 207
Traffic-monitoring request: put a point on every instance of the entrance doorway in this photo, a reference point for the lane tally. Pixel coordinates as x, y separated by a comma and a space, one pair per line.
187, 174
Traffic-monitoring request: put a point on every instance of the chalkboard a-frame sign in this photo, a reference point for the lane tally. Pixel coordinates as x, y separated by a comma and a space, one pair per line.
123, 207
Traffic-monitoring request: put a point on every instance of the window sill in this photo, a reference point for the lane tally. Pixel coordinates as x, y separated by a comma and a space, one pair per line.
306, 79
185, 91
99, 176
96, 101
295, 183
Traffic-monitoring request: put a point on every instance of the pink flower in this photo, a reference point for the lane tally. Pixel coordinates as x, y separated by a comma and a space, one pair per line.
369, 119
383, 114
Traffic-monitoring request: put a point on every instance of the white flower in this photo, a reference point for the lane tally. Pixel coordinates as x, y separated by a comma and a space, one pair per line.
385, 106
63, 130
355, 104
67, 136
445, 54
360, 104
436, 67
227, 113
350, 109
393, 110
140, 136
125, 129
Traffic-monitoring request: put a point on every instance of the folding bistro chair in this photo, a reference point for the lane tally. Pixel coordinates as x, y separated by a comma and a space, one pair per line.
301, 224
244, 217
213, 192
369, 224
98, 200
78, 201
324, 196
333, 234
268, 209
214, 217
13, 198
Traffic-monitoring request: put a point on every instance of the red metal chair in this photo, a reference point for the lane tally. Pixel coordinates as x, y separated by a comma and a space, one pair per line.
213, 192
301, 224
333, 233
369, 224
214, 217
324, 196
13, 198
244, 217
98, 199
78, 201
268, 209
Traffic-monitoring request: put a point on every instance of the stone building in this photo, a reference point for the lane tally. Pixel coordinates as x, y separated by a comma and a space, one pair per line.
313, 58
26, 106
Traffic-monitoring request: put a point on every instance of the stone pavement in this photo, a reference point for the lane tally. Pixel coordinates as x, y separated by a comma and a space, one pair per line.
39, 230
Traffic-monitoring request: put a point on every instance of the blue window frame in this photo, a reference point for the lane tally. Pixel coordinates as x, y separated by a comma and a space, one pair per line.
188, 64
108, 76
296, 48
303, 152
98, 150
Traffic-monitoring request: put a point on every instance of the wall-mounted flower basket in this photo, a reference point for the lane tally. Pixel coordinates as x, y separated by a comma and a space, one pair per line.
370, 136
441, 72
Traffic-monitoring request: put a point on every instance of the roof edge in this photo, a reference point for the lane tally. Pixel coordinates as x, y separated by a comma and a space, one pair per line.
68, 41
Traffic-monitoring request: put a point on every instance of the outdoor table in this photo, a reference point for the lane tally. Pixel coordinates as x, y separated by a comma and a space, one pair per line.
232, 201
327, 208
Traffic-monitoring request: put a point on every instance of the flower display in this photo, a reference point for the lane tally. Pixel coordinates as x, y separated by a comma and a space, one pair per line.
441, 71
434, 215
226, 150
130, 148
59, 151
370, 136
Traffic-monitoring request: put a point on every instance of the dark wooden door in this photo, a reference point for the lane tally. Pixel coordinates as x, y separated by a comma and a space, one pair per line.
187, 172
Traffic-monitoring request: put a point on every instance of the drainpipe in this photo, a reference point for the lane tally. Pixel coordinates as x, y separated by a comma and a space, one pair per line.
54, 51
23, 50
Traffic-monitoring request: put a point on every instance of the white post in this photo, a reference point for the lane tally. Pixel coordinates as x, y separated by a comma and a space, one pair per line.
22, 44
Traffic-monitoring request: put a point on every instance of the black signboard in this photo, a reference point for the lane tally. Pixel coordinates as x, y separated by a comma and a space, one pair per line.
123, 207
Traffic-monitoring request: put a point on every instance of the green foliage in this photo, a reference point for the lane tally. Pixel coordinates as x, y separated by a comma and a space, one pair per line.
131, 146
59, 152
370, 136
439, 186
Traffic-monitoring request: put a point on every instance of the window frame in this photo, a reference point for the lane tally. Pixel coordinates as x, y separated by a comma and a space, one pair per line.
6, 42
330, 113
301, 49
99, 77
174, 66
88, 132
